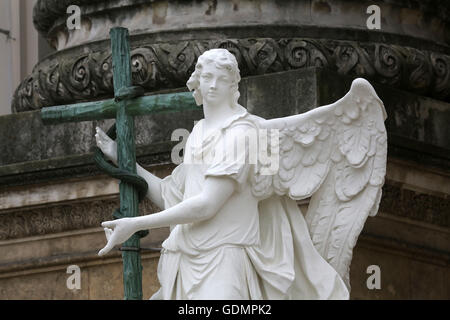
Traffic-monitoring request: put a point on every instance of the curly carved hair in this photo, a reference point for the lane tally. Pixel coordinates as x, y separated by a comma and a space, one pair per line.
222, 58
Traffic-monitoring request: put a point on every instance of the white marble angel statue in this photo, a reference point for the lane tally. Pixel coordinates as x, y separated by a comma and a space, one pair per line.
236, 229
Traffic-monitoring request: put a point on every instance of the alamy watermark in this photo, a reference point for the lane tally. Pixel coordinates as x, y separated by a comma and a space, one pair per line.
374, 20
259, 147
374, 281
74, 280
74, 20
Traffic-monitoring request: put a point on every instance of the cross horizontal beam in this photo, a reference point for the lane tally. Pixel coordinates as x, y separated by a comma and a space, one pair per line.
107, 109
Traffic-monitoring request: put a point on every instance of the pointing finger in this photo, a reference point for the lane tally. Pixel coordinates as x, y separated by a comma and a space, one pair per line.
105, 250
109, 224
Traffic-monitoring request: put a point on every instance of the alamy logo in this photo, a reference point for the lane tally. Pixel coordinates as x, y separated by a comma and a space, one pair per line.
374, 281
374, 20
74, 20
74, 280
256, 146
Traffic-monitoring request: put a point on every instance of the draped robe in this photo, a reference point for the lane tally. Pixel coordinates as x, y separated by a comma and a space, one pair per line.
251, 248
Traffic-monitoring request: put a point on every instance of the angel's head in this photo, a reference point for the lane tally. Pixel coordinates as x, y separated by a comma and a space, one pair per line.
216, 78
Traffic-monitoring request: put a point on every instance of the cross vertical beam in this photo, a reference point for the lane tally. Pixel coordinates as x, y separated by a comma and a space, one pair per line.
132, 268
125, 105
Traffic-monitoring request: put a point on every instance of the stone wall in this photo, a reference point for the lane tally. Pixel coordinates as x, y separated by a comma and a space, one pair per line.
53, 198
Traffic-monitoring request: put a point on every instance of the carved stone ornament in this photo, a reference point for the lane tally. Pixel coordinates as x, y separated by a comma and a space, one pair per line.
66, 77
236, 229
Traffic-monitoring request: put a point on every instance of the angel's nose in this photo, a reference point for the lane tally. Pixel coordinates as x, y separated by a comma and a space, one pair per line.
213, 83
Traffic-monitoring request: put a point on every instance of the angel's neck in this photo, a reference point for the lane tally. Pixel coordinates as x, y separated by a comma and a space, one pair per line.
216, 114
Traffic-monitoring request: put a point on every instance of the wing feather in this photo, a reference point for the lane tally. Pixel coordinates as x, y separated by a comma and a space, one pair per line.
335, 154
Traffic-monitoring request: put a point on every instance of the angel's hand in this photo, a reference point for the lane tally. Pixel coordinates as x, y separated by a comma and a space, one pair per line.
106, 144
117, 232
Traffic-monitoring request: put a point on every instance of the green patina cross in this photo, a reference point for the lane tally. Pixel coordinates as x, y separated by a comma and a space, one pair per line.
123, 107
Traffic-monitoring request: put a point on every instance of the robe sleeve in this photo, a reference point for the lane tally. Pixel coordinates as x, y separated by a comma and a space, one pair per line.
234, 164
172, 187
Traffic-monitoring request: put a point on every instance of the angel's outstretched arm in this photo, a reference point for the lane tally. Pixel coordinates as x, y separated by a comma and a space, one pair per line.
154, 186
109, 148
216, 191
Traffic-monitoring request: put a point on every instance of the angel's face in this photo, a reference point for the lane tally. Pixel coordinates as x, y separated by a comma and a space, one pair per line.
215, 84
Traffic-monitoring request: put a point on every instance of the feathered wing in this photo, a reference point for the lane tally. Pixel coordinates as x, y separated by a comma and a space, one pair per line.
335, 154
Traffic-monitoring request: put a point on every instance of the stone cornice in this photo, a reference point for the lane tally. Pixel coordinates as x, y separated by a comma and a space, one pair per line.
75, 75
47, 12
